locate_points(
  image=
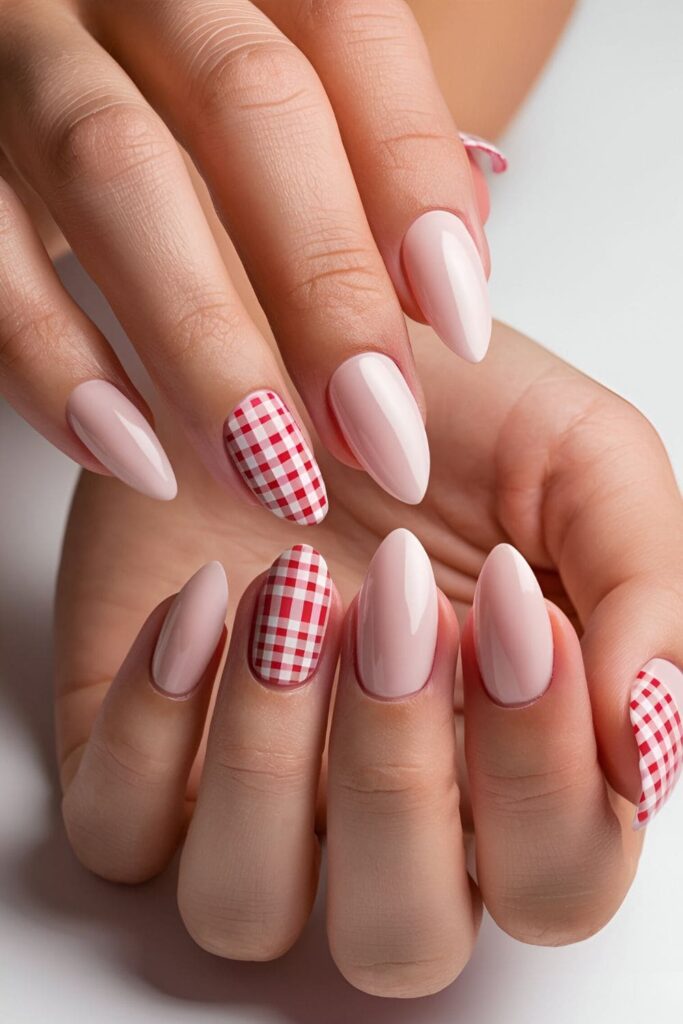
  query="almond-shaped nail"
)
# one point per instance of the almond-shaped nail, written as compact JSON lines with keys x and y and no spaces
{"x":397,"y":618}
{"x":273,"y":458}
{"x":290,"y":618}
{"x":191,"y":631}
{"x":512,"y":631}
{"x":447,"y":278}
{"x":658,"y":732}
{"x":119,"y":436}
{"x":382,"y":425}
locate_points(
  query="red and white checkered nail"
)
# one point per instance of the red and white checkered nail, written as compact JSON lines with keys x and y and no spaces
{"x":268,"y":449}
{"x":291,"y":617}
{"x":658,"y":731}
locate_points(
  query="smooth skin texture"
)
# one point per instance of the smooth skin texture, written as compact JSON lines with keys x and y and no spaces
{"x":316,"y":186}
{"x":537,"y":456}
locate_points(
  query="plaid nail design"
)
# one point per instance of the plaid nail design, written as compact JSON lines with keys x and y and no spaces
{"x":291,"y":616}
{"x":476,"y":144}
{"x":269,"y":450}
{"x":659,"y":734}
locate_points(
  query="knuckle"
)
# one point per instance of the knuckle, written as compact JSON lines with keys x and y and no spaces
{"x":408,"y":977}
{"x":512,"y":791}
{"x":340,"y":14}
{"x":263,"y":770}
{"x":106,"y":143}
{"x":263,"y":73}
{"x":396,"y":788}
{"x":250,"y":927}
{"x":24,"y":338}
{"x":204,"y":323}
{"x":333,"y":269}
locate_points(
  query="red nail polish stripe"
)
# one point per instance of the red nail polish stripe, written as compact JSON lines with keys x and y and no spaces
{"x":267,"y":447}
{"x":659,"y":734}
{"x":476,"y":144}
{"x":291,"y":617}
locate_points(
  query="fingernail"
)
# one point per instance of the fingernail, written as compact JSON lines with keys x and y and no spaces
{"x":382,"y":425}
{"x":512,"y":631}
{"x":119,"y":436}
{"x":191,"y":631}
{"x":448,"y":281}
{"x":271,"y":455}
{"x":291,"y":617}
{"x":475,"y":144}
{"x":397,"y":619}
{"x":658,"y":732}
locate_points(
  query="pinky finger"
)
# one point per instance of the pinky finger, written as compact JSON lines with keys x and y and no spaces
{"x":59,"y":372}
{"x":124,"y":801}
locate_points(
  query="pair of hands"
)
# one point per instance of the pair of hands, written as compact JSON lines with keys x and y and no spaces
{"x":525,"y":450}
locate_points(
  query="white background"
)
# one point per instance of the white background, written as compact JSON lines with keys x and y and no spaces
{"x":586,"y":239}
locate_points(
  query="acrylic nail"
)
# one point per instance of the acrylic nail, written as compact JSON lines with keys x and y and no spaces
{"x":381,"y":422}
{"x":512,"y":631}
{"x":658,"y":732}
{"x":397,"y":618}
{"x":447,"y":278}
{"x":268,"y":449}
{"x":119,"y":436}
{"x":191,"y":631}
{"x":290,"y":618}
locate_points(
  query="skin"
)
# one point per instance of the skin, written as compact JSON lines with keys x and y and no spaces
{"x":524,"y":449}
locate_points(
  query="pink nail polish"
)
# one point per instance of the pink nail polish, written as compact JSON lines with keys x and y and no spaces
{"x":191,"y":631}
{"x":382,"y":425}
{"x":291,"y":617}
{"x":475,"y":144}
{"x":658,"y":731}
{"x":270,"y":452}
{"x":448,"y":281}
{"x":119,"y":436}
{"x":512,"y":631}
{"x":397,"y":618}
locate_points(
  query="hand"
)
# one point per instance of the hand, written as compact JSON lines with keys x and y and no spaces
{"x":526,"y":450}
{"x":338,"y":237}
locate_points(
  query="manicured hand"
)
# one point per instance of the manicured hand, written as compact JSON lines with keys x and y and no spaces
{"x":571,"y":730}
{"x":333,"y":162}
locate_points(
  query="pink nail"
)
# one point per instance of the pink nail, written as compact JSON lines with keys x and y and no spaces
{"x":381,"y":422}
{"x":447,"y":278}
{"x":658,"y":731}
{"x":291,"y":617}
{"x":191,"y":631}
{"x":119,"y":436}
{"x":270,"y":452}
{"x":512,"y":630}
{"x":397,"y":619}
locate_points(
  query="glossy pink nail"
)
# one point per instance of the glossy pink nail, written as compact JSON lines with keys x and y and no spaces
{"x":658,"y":731}
{"x":447,"y":278}
{"x":512,"y":630}
{"x":119,"y":436}
{"x":191,"y":631}
{"x":397,"y":618}
{"x":382,"y":425}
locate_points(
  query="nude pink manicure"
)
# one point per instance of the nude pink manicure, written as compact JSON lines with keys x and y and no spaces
{"x":397,"y":618}
{"x":446,"y":275}
{"x":119,"y":436}
{"x":512,"y":630}
{"x":381,"y":422}
{"x":191,"y":631}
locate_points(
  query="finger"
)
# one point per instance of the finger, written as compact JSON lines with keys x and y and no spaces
{"x":249,"y":868}
{"x":615,"y":529}
{"x":115,"y":181}
{"x":241,"y":96}
{"x":124,"y":785}
{"x":401,"y":914}
{"x":58,"y":371}
{"x":409,"y":162}
{"x":555,"y":853}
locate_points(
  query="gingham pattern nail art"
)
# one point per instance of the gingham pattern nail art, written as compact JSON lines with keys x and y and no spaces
{"x":659,"y":734}
{"x":291,"y":617}
{"x":267,"y":447}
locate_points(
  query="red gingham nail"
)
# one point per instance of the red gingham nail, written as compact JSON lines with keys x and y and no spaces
{"x":475,"y":144}
{"x":291,"y":617}
{"x":659,"y":734}
{"x":266,"y":445}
